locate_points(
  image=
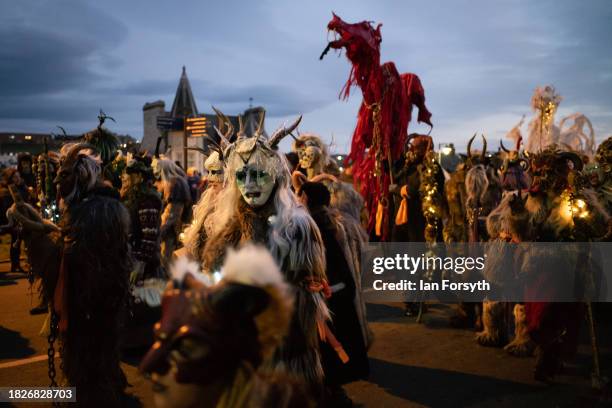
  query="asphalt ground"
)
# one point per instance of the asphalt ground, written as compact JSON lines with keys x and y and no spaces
{"x":426,"y":364}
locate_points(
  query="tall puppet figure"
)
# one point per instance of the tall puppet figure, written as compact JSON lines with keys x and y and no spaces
{"x":92,"y":288}
{"x":259,"y":206}
{"x":382,"y":124}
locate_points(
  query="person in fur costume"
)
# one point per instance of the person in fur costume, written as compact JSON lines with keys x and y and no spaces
{"x":42,"y":244}
{"x":509,"y":222}
{"x":345,"y":304}
{"x":91,"y":292}
{"x":601,"y":178}
{"x":147,"y":278}
{"x":456,"y":193}
{"x":176,"y":196}
{"x":316,"y":162}
{"x":214,"y":343}
{"x":319,"y":166}
{"x":259,"y":207}
{"x":563,"y":208}
{"x":196,"y":234}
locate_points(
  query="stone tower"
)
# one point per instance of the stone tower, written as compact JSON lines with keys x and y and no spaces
{"x":150,"y":113}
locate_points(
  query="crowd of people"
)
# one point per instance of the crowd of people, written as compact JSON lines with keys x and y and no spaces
{"x":246,"y":283}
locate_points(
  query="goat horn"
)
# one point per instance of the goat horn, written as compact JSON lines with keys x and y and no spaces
{"x":501,"y":145}
{"x":484,"y":147}
{"x":469,"y":146}
{"x":282,"y":132}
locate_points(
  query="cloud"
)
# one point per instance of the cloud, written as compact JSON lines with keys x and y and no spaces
{"x":62,"y":60}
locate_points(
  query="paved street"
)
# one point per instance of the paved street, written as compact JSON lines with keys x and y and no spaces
{"x":413,"y":365}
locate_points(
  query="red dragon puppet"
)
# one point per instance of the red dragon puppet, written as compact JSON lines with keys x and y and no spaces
{"x":382,"y":125}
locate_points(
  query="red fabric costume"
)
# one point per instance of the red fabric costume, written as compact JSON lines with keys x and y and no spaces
{"x":386,"y":109}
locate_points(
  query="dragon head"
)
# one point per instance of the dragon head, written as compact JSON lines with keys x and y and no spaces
{"x":360,"y":39}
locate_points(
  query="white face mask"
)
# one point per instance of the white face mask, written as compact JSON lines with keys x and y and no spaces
{"x":255,"y":184}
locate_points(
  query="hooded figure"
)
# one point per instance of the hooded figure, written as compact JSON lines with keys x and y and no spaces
{"x":345,"y":303}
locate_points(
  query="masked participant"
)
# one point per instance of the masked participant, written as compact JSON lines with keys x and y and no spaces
{"x":92,"y":289}
{"x":148,"y":278}
{"x":172,"y":184}
{"x":259,"y":206}
{"x":214,"y":344}
{"x":196,"y":234}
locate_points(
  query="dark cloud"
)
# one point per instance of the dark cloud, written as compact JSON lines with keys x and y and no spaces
{"x":61,"y":61}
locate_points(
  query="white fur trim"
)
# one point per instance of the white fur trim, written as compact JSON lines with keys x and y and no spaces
{"x":252,"y":265}
{"x":183,"y":266}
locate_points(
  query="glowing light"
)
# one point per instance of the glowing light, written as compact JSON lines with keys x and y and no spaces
{"x":447,"y":150}
{"x":28,"y":137}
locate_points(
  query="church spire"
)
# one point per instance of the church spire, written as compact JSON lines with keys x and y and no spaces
{"x":184,"y":103}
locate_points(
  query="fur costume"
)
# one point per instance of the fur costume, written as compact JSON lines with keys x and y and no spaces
{"x":214,"y":344}
{"x":42,"y":243}
{"x":317,"y":163}
{"x":559,"y":208}
{"x":148,"y":278}
{"x":286,"y":229}
{"x":91,"y":292}
{"x":202,"y":224}
{"x":345,"y":304}
{"x":384,"y":115}
{"x":483,"y":192}
{"x":603,"y":174}
{"x":456,"y":195}
{"x":176,"y":204}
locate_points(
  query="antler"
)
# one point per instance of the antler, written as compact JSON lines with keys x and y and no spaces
{"x":282,"y":132}
{"x":262,"y":117}
{"x":241,"y":131}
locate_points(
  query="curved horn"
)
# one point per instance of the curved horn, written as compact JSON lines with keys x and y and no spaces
{"x":484,"y":147}
{"x":63,"y":130}
{"x":469,"y":146}
{"x":501,"y":145}
{"x":282,"y":132}
{"x":322,"y":177}
{"x":297,"y":180}
{"x":518,"y":143}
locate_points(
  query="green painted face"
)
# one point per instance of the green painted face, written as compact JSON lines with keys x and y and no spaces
{"x":255,"y":184}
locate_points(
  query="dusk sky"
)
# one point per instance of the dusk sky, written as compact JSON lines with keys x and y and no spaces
{"x":479,"y":61}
